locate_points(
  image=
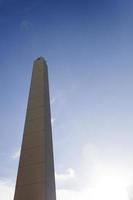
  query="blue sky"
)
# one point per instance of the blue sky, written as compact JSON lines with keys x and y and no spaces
{"x":88,"y":48}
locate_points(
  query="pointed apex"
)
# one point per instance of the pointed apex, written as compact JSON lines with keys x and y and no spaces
{"x":40,"y":58}
{"x":40,"y":61}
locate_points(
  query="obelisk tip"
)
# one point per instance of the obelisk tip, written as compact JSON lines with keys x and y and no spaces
{"x":40,"y":58}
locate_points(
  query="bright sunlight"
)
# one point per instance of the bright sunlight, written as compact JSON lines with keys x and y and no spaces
{"x":108,"y":188}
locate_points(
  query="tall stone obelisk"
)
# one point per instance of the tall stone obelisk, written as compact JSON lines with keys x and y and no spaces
{"x":35,"y":179}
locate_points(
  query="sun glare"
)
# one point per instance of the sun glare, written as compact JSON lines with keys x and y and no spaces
{"x":109,"y":188}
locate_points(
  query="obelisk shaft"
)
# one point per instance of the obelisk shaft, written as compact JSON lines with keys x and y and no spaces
{"x":35,"y":180}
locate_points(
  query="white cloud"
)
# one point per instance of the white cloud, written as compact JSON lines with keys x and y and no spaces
{"x":66,"y":180}
{"x":6,"y":190}
{"x":70,"y":174}
{"x":16,"y":155}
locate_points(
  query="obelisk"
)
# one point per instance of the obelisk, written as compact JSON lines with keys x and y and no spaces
{"x":35,"y":179}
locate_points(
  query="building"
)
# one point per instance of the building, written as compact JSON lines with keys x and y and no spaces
{"x":36,"y":179}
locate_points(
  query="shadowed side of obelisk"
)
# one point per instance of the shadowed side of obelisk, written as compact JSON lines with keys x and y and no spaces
{"x":35,"y":180}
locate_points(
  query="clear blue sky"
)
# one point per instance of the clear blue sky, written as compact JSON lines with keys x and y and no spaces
{"x":88,"y":46}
